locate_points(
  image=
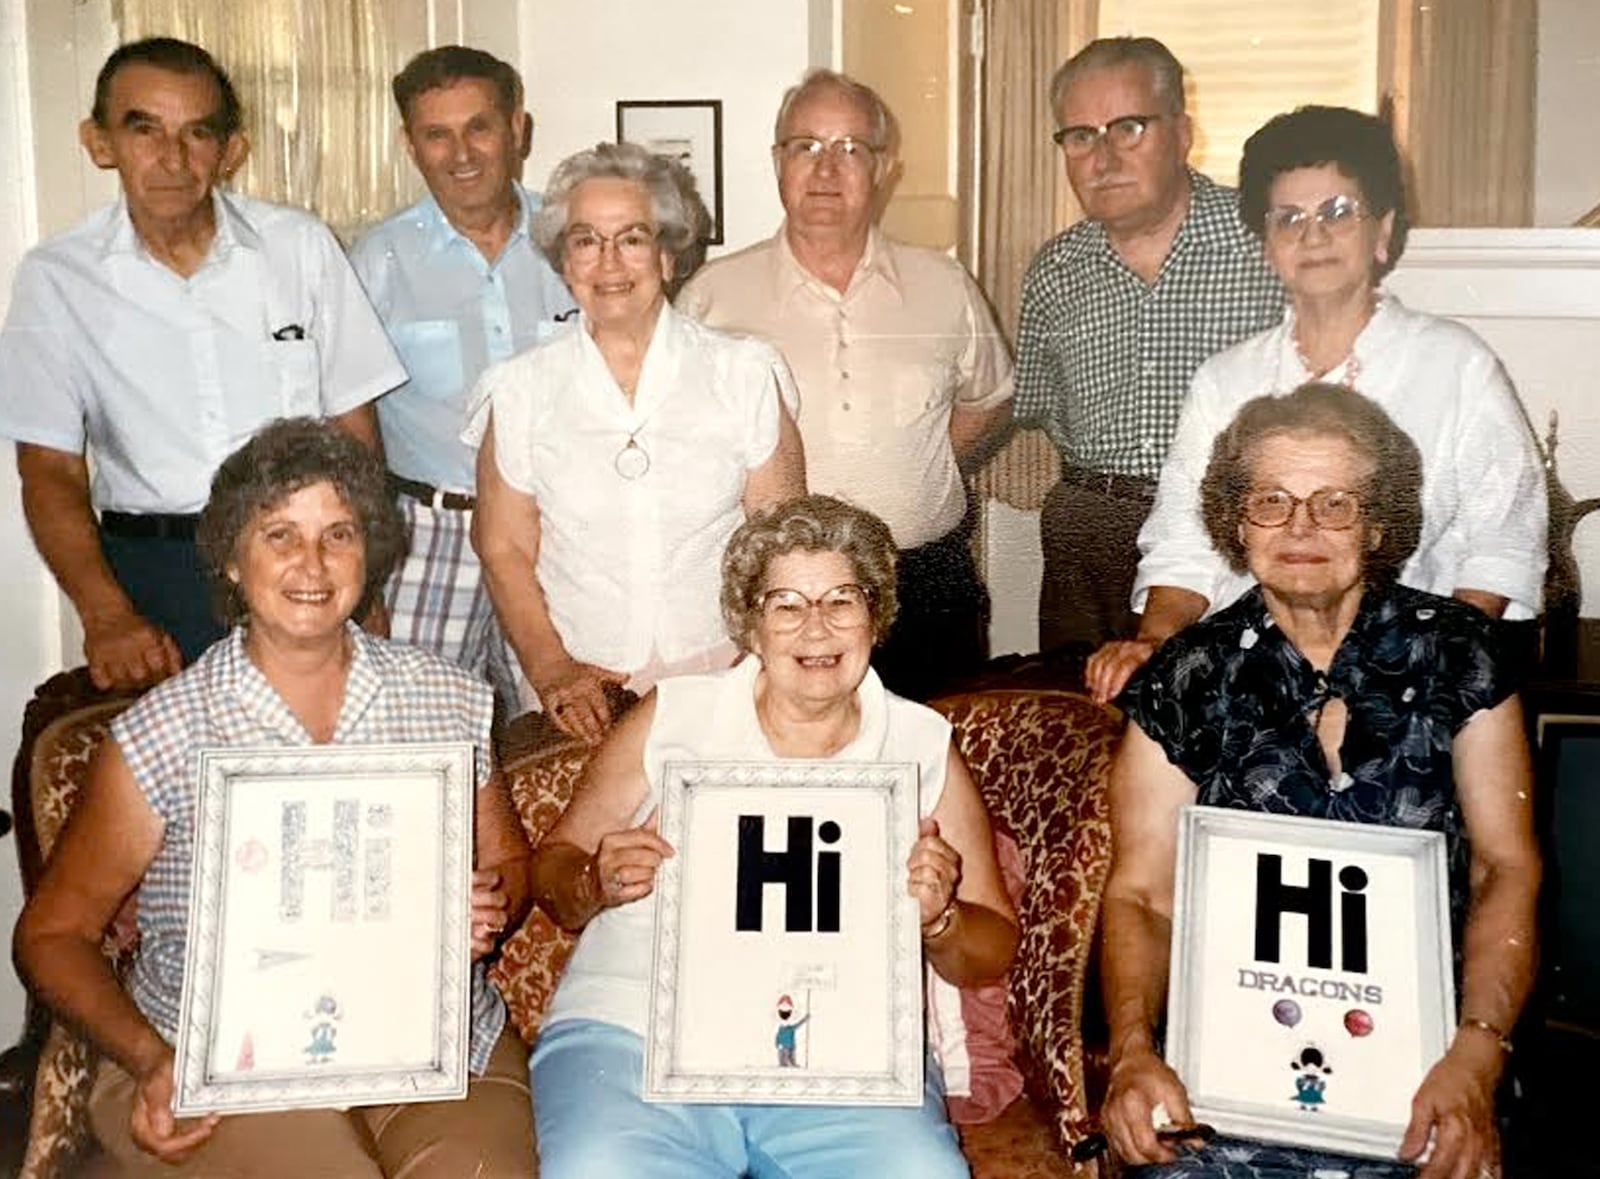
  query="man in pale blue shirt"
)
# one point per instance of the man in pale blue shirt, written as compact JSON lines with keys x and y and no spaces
{"x":159,"y":334}
{"x":459,"y":285}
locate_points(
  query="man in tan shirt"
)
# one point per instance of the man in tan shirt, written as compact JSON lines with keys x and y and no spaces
{"x":902,"y":371}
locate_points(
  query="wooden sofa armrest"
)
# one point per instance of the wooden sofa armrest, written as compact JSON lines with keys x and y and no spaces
{"x":1041,"y":760}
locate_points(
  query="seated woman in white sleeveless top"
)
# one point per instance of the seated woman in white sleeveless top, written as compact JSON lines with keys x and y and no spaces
{"x":807,"y":589}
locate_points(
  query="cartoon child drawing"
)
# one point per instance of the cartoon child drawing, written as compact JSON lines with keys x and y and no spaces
{"x":323,"y":1031}
{"x":1311,"y":1071}
{"x":787,"y":1033}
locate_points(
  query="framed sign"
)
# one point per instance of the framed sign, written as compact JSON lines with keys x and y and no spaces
{"x":1311,"y":984}
{"x":788,"y":954}
{"x":688,"y":131}
{"x":329,"y":954}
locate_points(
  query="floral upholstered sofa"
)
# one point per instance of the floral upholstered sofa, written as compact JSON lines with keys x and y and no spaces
{"x":1041,"y":758}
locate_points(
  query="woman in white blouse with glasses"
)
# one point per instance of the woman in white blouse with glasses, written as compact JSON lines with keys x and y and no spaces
{"x":620,"y":455}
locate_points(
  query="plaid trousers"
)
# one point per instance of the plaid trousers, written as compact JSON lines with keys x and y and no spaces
{"x":437,"y":599}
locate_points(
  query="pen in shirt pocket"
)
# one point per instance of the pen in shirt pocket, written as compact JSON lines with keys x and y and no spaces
{"x":292,"y":331}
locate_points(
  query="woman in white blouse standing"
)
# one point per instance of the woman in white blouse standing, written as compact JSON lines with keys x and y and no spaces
{"x":619,"y":456}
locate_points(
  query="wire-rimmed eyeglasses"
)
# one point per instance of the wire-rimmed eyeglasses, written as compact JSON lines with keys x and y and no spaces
{"x":839,"y":148}
{"x":1338,"y":215}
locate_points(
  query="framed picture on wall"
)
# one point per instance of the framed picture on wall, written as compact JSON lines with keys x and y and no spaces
{"x":1311,"y":982}
{"x":788,"y":954}
{"x":688,"y":131}
{"x":329,"y":953}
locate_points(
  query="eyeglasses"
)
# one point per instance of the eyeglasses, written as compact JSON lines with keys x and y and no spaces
{"x":1330,"y":509}
{"x":840,"y":149}
{"x":1123,"y":134}
{"x":844,"y":607}
{"x":1338,"y":215}
{"x":636,"y":243}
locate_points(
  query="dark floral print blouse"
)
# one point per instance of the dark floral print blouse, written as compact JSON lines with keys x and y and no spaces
{"x":1234,"y":703}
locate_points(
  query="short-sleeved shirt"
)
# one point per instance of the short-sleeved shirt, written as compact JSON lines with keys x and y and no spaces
{"x":880,"y":367}
{"x":1104,"y":359}
{"x":450,"y":313}
{"x":1232,"y":702}
{"x":165,"y":376}
{"x":631,"y":567}
{"x":393,"y":693}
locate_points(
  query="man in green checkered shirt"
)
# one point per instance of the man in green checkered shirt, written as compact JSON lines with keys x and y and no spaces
{"x":1117,"y":313}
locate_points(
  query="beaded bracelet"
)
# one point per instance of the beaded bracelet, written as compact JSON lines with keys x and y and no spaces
{"x":936,"y":928}
{"x":1483,"y":1025}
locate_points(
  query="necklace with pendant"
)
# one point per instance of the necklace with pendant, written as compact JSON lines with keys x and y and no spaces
{"x":632,"y":461}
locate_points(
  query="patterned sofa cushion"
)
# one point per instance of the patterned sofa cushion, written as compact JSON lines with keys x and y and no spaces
{"x":1041,"y":760}
{"x":58,"y":1126}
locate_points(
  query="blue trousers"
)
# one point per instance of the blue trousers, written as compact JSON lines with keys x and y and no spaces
{"x":592,"y":1124}
{"x":169,"y":585}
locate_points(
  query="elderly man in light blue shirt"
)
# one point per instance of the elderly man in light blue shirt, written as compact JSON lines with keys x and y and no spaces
{"x":459,"y":285}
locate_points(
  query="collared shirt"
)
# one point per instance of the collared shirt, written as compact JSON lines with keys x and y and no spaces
{"x":880,"y":368}
{"x":631,"y":568}
{"x":393,"y":693}
{"x":1483,"y":488}
{"x":451,"y":313}
{"x":163,"y":376}
{"x":1104,"y":360}
{"x":1232,"y":701}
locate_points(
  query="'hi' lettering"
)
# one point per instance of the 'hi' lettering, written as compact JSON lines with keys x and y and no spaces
{"x":793,"y":869}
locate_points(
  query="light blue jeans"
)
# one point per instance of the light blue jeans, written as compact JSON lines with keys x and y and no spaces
{"x":592,"y":1124}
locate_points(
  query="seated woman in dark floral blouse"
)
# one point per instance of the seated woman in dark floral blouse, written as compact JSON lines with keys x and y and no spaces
{"x":1328,"y":691}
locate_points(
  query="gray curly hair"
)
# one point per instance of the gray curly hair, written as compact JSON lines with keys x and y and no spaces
{"x":812,"y":524}
{"x":682,"y":223}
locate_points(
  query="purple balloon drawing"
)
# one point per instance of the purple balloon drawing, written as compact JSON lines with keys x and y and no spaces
{"x":1286,"y":1012}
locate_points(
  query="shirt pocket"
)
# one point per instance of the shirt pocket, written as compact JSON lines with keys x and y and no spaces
{"x":917,"y":390}
{"x":430,"y":349}
{"x":299,"y":377}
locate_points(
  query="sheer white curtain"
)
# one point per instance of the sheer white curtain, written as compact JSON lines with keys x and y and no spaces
{"x":313,"y":76}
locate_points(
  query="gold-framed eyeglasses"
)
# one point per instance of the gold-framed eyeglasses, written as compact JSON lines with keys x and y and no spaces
{"x":842,"y":149}
{"x":1331,"y":508}
{"x":1123,"y":134}
{"x":844,"y":607}
{"x":635,"y":243}
{"x":1338,"y":215}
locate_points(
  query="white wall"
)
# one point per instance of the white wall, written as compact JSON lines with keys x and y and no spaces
{"x":579,"y":57}
{"x":1566,"y":162}
{"x":45,"y":47}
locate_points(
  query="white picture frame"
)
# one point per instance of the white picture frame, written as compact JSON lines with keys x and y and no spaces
{"x":329,"y":950}
{"x":854,"y":984}
{"x":1371,"y":998}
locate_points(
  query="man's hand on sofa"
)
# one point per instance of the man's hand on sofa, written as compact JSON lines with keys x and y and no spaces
{"x":152,"y":1125}
{"x":1144,"y":1094}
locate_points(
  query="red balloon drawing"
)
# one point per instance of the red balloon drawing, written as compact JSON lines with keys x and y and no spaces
{"x":1357,"y":1022}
